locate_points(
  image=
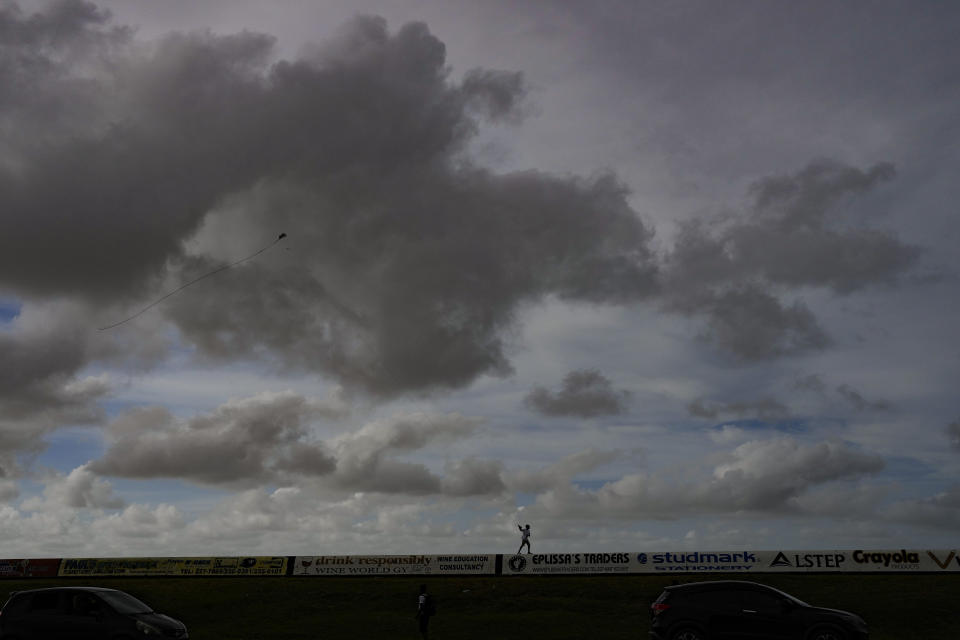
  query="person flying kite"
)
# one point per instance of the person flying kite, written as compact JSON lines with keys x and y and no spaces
{"x":526,"y":537}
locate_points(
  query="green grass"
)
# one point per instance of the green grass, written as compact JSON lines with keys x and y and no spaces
{"x":897,"y":607}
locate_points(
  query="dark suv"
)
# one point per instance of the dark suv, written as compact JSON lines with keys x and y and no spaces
{"x":731,"y":609}
{"x":83,"y":613}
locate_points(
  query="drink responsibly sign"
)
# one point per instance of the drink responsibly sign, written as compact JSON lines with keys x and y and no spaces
{"x":557,"y":564}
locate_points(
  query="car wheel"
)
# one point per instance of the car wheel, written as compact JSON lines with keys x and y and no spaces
{"x":826,"y":633}
{"x":687,"y":633}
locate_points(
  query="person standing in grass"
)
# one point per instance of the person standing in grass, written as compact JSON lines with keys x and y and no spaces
{"x":426,"y":609}
{"x":526,"y":538}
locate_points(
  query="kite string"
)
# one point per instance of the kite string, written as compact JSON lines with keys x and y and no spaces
{"x":195,"y":280}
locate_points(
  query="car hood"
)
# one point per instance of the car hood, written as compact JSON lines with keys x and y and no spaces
{"x":837,"y":612}
{"x":160,"y":621}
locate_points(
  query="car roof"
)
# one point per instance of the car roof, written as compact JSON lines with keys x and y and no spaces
{"x":71,"y":588}
{"x":718,"y":584}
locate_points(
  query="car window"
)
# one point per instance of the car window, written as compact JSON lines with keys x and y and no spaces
{"x":124,"y":602}
{"x":45,"y":601}
{"x":16,"y":604}
{"x":723,"y":601}
{"x":789,"y":598}
{"x":761,"y":602}
{"x":83,"y":604}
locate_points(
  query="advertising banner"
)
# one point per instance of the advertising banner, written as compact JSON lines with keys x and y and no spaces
{"x":867,"y":560}
{"x":745,"y":561}
{"x":568,"y":563}
{"x":451,"y":565}
{"x":556,"y":564}
{"x":29,"y":568}
{"x":699,"y":561}
{"x":199,"y":566}
{"x":945,"y":559}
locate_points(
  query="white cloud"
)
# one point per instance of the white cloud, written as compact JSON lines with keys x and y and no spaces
{"x":729,"y":434}
{"x":140,"y":521}
{"x":244,"y":440}
{"x":760,"y":476}
{"x":473,"y":477}
{"x":941,"y":510}
{"x":80,"y":489}
{"x":366,"y":459}
{"x":561,"y":472}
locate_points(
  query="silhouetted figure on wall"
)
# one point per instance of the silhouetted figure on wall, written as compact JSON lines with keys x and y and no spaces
{"x":526,"y":538}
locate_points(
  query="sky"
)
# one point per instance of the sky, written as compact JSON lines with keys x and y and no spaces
{"x":645,"y":275}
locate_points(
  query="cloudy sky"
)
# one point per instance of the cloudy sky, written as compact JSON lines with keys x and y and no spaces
{"x":646,"y":275}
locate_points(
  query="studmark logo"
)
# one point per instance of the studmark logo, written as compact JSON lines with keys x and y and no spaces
{"x":699,"y":561}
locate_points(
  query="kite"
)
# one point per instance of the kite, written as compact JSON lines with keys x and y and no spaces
{"x":194,"y":281}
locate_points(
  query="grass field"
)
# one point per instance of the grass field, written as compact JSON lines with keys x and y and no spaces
{"x":897,"y":607}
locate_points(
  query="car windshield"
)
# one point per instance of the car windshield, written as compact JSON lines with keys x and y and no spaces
{"x":124,"y":602}
{"x":790,"y":597}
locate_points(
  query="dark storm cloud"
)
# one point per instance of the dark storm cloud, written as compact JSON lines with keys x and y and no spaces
{"x":409,"y":263}
{"x":754,"y":325}
{"x":494,"y":93}
{"x":811,"y":382}
{"x":119,"y":187}
{"x":795,"y":236}
{"x":43,"y":385}
{"x":792,"y":234}
{"x":9,"y":470}
{"x":585,"y":393}
{"x":36,"y":368}
{"x":39,"y":52}
{"x":40,"y":390}
{"x":953,"y":434}
{"x":856,"y":399}
{"x":768,"y":408}
{"x":412,"y":280}
{"x":850,"y":395}
{"x":8,"y":490}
